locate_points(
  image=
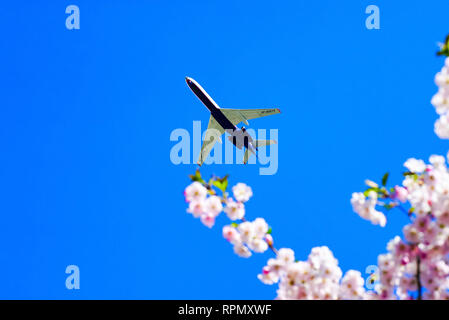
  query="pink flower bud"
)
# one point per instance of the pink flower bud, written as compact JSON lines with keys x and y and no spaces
{"x":208,"y":220}
{"x":269,"y":239}
{"x":228,"y":232}
{"x":266,"y":270}
{"x":400,"y":193}
{"x":405,"y":260}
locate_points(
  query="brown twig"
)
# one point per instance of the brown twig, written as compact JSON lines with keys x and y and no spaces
{"x":418,"y":277}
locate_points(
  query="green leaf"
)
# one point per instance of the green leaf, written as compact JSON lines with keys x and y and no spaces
{"x":197,"y":177}
{"x":384,"y":191}
{"x":269,"y":230}
{"x":234,"y":224}
{"x":411,"y":174}
{"x":367,"y":191}
{"x":385,"y":179}
{"x":221,"y":183}
{"x":444,"y":51}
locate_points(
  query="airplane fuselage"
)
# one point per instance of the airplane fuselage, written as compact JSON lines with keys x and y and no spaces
{"x":210,"y":104}
{"x":236,"y":133}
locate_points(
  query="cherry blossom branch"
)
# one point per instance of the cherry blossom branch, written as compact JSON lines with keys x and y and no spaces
{"x":297,"y":279}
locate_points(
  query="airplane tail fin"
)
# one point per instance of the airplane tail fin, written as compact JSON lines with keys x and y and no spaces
{"x":257,"y":144}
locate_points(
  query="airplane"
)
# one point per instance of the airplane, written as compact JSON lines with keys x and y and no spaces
{"x":225,"y":120}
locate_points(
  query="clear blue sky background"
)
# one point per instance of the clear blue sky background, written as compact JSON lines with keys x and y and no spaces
{"x":86,"y":115}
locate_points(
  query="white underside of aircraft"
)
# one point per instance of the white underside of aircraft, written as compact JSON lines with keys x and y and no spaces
{"x":225,"y":120}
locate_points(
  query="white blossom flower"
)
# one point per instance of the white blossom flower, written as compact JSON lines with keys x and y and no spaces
{"x":242,"y":192}
{"x":400,"y":193}
{"x":267,"y":276}
{"x":213,"y":205}
{"x":242,"y":251}
{"x":365,"y":207}
{"x":412,"y":234}
{"x":442,"y":126}
{"x":442,"y":78}
{"x":247,"y":231}
{"x":260,"y":227}
{"x":441,"y":101}
{"x":276,"y":266}
{"x":234,"y":210}
{"x":195,"y":191}
{"x":208,"y":219}
{"x":258,"y":245}
{"x":286,"y":256}
{"x":439,"y":162}
{"x":196,"y":208}
{"x":231,"y":234}
{"x":415,"y":165}
{"x":352,"y":286}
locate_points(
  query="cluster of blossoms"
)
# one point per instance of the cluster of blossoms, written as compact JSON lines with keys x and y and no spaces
{"x":420,"y":260}
{"x":202,"y":206}
{"x":319,"y":277}
{"x":365,"y":206}
{"x":441,"y":102}
{"x":245,"y":236}
{"x":248,"y":236}
{"x":417,"y":265}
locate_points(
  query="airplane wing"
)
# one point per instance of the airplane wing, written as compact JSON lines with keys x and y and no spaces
{"x":243,"y":115}
{"x":213,"y":133}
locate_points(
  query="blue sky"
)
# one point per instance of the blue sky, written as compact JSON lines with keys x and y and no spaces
{"x":86,"y":117}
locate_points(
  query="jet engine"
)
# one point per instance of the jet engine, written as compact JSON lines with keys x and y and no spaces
{"x":239,"y":137}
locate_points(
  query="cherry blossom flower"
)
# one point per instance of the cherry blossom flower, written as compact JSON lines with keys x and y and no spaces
{"x":208,"y":219}
{"x":235,"y":210}
{"x":352,"y":286}
{"x":196,"y":208}
{"x":442,"y":126}
{"x":415,"y":165}
{"x":400,"y":193}
{"x":242,"y":251}
{"x":213,"y":205}
{"x":242,"y":192}
{"x":246,"y":230}
{"x":231,"y":234}
{"x":365,"y":207}
{"x":441,"y":101}
{"x":195,"y":191}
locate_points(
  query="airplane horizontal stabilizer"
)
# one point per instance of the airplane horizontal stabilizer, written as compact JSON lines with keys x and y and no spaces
{"x":263,"y":143}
